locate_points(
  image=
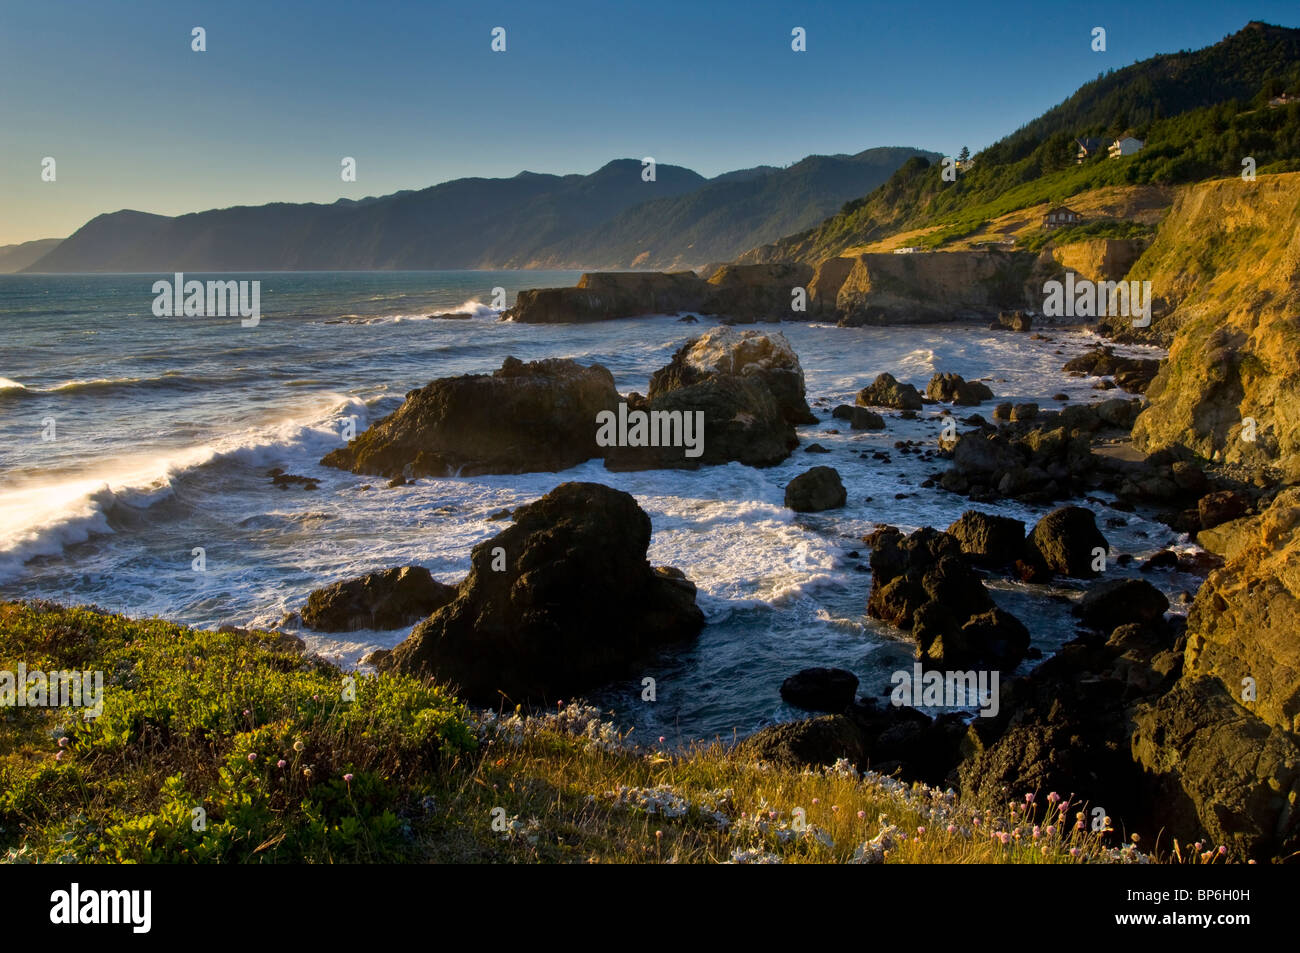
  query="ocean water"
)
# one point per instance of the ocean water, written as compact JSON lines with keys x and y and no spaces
{"x":164,"y":430}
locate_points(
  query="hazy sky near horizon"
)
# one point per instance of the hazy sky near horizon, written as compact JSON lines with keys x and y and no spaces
{"x":413,"y":91}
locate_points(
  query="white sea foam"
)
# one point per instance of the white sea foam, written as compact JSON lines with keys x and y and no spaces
{"x":781,"y":591}
{"x":40,"y":516}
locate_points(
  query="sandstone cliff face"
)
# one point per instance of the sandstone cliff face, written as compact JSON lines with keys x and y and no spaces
{"x":757,"y":291}
{"x":827,"y":279}
{"x":934,"y":286}
{"x":1245,"y":622}
{"x":1226,"y":267}
{"x":1099,"y":259}
{"x":1221,"y":747}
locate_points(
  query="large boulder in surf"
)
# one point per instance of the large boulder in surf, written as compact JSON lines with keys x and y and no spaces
{"x":560,"y":602}
{"x":820,"y":689}
{"x":955,"y":389}
{"x":1066,"y":541}
{"x":988,"y":540}
{"x":539,"y":416}
{"x":815,"y":490}
{"x":1109,"y":605}
{"x":605,"y":295}
{"x":886,"y":391}
{"x":379,"y":600}
{"x":747,"y":385}
{"x":923,"y":583}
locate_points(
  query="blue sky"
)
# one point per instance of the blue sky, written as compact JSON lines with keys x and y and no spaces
{"x":136,"y":119}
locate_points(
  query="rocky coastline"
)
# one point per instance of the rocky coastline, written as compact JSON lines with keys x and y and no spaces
{"x":1143,"y":713}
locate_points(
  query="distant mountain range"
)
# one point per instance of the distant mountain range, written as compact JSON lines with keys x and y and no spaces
{"x":17,"y":257}
{"x":611,"y":218}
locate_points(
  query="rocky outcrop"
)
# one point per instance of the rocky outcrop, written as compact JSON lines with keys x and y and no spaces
{"x":1109,"y":605}
{"x":922,"y":583}
{"x":743,"y":293}
{"x":873,"y":737}
{"x":986,"y":540}
{"x":1017,"y":320}
{"x":934,"y":286}
{"x":562,"y":601}
{"x":1040,"y":456}
{"x":954,"y":389}
{"x":820,"y":689}
{"x":756,"y":292}
{"x":1215,"y":767}
{"x":1067,"y":542}
{"x":1244,"y":621}
{"x":1222,"y":749}
{"x":539,"y":416}
{"x":886,"y":391}
{"x":603,"y":296}
{"x":748,"y":385}
{"x":815,"y":490}
{"x":1133,"y":374}
{"x":1065,"y":728}
{"x":391,"y":599}
{"x":1171,"y":733}
{"x":1227,"y":265}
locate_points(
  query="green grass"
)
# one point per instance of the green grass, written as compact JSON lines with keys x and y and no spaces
{"x":1086,"y":231}
{"x":1199,"y":145}
{"x":292,"y":762}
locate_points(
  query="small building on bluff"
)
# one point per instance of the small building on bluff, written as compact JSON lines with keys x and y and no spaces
{"x":1060,"y":217}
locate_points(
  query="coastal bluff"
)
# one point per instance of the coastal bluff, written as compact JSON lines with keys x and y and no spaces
{"x":871,"y":288}
{"x":746,"y":292}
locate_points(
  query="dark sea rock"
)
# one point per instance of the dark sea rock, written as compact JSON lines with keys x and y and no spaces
{"x":954,"y":389}
{"x":988,"y":540}
{"x":815,"y":490}
{"x":820,"y":689}
{"x":539,"y":416}
{"x":390,"y":599}
{"x":561,"y":602}
{"x":886,"y":391}
{"x":1015,"y":320}
{"x":750,"y":387}
{"x":1108,"y":605}
{"x":923,"y":583}
{"x":1065,"y":542}
{"x":1132,"y":374}
{"x":863,"y":419}
{"x":1219,"y":507}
